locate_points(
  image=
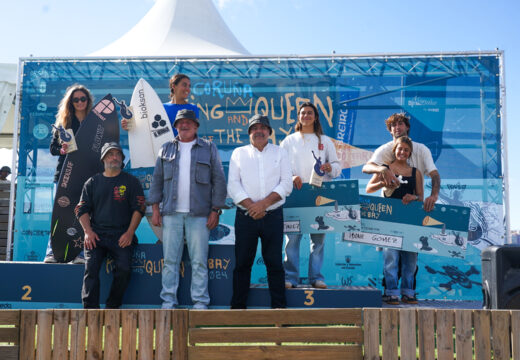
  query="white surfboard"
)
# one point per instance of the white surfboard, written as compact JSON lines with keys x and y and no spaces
{"x":149,"y":130}
{"x":151,"y":127}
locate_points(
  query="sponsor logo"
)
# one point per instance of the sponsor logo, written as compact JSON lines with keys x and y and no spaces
{"x":347,"y":265}
{"x":72,"y":231}
{"x":104,"y":107}
{"x":142,"y":104}
{"x":40,"y":131}
{"x":78,"y":243}
{"x":41,"y":107}
{"x":159,"y":126}
{"x":66,"y":174}
{"x":96,"y":145}
{"x":63,"y":201}
{"x":32,"y":256}
{"x":42,"y":88}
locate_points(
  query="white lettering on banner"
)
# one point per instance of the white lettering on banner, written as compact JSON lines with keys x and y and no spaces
{"x":374,"y":239}
{"x":291,"y":226}
{"x":342,"y":125}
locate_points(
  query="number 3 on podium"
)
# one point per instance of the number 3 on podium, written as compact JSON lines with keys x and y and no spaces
{"x":309,"y":298}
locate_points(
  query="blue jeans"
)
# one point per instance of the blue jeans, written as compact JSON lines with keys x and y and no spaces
{"x":391,"y":267}
{"x":175,"y":227}
{"x":292,"y":258}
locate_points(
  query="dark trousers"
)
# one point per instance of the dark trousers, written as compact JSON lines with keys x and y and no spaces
{"x":121,"y":261}
{"x":247,"y":231}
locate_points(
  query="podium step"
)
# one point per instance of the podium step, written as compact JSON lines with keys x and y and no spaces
{"x":35,"y":285}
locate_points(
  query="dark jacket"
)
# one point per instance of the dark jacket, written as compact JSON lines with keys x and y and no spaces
{"x":56,"y":146}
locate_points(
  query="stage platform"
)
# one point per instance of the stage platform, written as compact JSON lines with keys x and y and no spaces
{"x":439,"y":304}
{"x":35,"y":285}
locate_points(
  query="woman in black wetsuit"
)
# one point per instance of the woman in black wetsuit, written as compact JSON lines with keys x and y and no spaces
{"x":410,"y":189}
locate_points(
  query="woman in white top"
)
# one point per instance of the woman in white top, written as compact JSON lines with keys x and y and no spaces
{"x":308,"y":139}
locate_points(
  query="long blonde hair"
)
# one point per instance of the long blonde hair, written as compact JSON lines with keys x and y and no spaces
{"x":66,"y":107}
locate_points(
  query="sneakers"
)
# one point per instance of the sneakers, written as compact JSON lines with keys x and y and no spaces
{"x":78,"y":260}
{"x":391,"y":299}
{"x":288,"y":285}
{"x":49,"y":259}
{"x":319,"y":284}
{"x":409,"y":300}
{"x":200,"y":306}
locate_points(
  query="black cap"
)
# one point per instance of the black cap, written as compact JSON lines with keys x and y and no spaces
{"x":6,"y":168}
{"x":259,"y":119}
{"x":109,"y":146}
{"x":186,"y":114}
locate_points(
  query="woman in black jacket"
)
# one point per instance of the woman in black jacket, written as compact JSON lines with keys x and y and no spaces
{"x":72,"y":110}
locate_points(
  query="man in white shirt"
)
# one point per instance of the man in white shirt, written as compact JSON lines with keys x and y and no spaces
{"x":421,"y":158}
{"x":259,"y":180}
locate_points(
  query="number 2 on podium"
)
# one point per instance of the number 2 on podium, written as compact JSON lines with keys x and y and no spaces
{"x":28,"y":290}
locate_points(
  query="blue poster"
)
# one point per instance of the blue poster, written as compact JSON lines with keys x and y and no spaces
{"x":388,"y":223}
{"x":331,"y":208}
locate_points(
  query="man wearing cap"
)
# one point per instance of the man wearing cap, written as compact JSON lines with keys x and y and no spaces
{"x":4,"y":173}
{"x":259,"y":180}
{"x":189,"y":183}
{"x":110,"y":209}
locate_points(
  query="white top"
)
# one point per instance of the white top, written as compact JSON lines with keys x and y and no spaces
{"x":183,"y":200}
{"x":421,"y":157}
{"x":255,"y":174}
{"x":300,"y":147}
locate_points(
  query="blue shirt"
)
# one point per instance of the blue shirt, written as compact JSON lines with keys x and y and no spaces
{"x":172,"y":109}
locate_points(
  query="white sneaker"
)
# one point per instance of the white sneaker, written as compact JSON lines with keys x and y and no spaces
{"x":49,"y":259}
{"x":319,"y":284}
{"x":78,"y":260}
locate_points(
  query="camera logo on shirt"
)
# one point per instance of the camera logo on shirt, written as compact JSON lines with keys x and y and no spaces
{"x":119,"y":193}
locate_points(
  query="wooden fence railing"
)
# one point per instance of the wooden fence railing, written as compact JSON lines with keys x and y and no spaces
{"x":260,"y":334}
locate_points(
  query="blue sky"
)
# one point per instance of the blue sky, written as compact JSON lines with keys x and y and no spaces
{"x":266,"y":27}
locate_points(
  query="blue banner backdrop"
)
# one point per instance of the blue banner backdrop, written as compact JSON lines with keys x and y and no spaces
{"x":454,"y":103}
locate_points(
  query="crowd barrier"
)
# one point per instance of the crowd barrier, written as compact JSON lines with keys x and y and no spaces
{"x":369,"y":333}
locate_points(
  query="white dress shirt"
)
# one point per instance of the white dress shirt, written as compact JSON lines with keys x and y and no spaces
{"x":255,"y":174}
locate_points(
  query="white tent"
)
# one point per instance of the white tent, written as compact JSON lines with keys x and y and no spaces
{"x":174,"y":28}
{"x":7,"y":92}
{"x":170,"y":28}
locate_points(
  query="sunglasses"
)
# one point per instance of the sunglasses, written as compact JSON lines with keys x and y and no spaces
{"x":77,"y":100}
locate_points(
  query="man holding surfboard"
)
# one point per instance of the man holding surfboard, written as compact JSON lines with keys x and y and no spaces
{"x":109,"y":211}
{"x":189,"y":182}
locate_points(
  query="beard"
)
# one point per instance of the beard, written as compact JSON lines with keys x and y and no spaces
{"x":113,"y":165}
